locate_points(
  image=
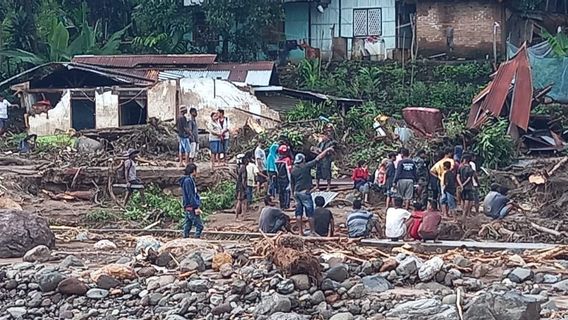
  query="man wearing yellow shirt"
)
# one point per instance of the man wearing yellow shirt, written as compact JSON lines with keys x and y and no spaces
{"x":437,"y":171}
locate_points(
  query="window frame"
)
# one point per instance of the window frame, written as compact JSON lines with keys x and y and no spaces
{"x":367,"y":10}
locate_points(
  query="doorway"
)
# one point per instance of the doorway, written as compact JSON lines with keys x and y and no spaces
{"x":83,"y":114}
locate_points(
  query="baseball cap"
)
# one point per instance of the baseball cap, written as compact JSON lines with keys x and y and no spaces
{"x":299,"y":158}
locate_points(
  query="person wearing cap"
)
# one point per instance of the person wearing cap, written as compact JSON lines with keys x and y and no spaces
{"x":131,"y":177}
{"x":301,"y":184}
{"x":184,"y":133}
{"x":283,"y":167}
{"x":194,"y":135}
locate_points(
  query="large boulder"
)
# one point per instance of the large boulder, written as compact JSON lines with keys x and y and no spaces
{"x":508,"y":306}
{"x":21,"y":231}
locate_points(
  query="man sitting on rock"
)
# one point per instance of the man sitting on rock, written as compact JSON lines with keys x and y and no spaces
{"x":360,"y":223}
{"x":272,"y":219}
{"x":396,"y":221}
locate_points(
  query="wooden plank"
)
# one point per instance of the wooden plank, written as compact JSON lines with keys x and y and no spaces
{"x":447,"y":245}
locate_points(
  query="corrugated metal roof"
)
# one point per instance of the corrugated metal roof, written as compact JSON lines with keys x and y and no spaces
{"x":254,"y":73}
{"x":133,"y":61}
{"x":193,"y":74}
{"x":522,"y":92}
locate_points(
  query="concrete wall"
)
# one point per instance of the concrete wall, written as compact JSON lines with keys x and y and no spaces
{"x":472,"y":22}
{"x":208,"y":95}
{"x":296,"y":20}
{"x":162,"y":100}
{"x":58,"y":118}
{"x":107,"y":111}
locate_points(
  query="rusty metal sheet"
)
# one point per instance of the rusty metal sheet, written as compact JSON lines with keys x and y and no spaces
{"x":500,"y":88}
{"x":473,"y":115}
{"x":134,"y":61}
{"x":425,"y":121}
{"x":522,"y":92}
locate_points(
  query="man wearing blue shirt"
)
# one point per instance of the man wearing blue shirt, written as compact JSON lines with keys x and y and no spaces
{"x":191,"y":201}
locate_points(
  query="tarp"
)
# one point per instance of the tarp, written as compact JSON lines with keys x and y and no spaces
{"x":547,"y":69}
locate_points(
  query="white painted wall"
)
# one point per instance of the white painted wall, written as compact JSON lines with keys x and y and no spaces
{"x":58,"y":118}
{"x":322,"y":22}
{"x":162,"y":100}
{"x":106,"y":110}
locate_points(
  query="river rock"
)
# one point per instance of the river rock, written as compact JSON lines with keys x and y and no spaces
{"x":301,"y":281}
{"x":198,"y":285}
{"x":107,"y":282}
{"x":357,"y":291}
{"x":429,"y":269}
{"x":434,"y":287}
{"x":389,"y":265}
{"x":21,"y":231}
{"x":422,"y":308}
{"x":272,"y":304}
{"x":520,"y":275}
{"x":407,"y":267}
{"x":146,"y":242}
{"x":508,"y":306}
{"x":286,"y":316}
{"x":96,"y":293}
{"x":193,"y":263}
{"x":17,"y":312}
{"x":561,"y":286}
{"x":222,"y":309}
{"x":342,"y":316}
{"x":285,"y":286}
{"x":105,"y":245}
{"x":72,"y":286}
{"x":376,"y":284}
{"x":71,"y":261}
{"x":48,"y":281}
{"x":87,"y":145}
{"x":39,"y":253}
{"x":338,"y":273}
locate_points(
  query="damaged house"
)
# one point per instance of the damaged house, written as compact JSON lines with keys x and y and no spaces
{"x":129,"y":90}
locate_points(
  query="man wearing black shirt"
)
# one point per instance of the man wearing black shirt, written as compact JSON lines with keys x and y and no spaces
{"x":184,"y":132}
{"x":323,"y":219}
{"x":448,"y":199}
{"x":405,"y":177}
{"x":465,"y":179}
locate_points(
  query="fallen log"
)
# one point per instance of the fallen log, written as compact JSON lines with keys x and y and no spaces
{"x":546,"y":230}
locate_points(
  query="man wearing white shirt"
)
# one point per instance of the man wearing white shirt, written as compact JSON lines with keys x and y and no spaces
{"x":4,"y":104}
{"x":396,"y":220}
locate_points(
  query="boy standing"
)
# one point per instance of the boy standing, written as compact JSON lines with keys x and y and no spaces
{"x":448,"y":182}
{"x":323,"y":219}
{"x":389,"y":178}
{"x":194,"y":135}
{"x":405,"y":177}
{"x":191,"y":202}
{"x":184,"y":133}
{"x":132,"y":180}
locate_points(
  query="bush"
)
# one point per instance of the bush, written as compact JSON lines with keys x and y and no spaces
{"x":219,"y":197}
{"x":493,"y":145}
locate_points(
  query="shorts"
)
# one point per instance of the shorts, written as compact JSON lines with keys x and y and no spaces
{"x":323,"y":169}
{"x":405,"y":188}
{"x":184,"y":146}
{"x":476,"y":195}
{"x":216,"y":146}
{"x":467,"y":195}
{"x":3,"y":123}
{"x":304,"y":203}
{"x":448,"y":199}
{"x":135,"y":181}
{"x":503,"y":212}
{"x":194,"y":149}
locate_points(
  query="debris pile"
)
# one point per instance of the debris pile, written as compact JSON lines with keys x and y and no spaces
{"x":189,"y":279}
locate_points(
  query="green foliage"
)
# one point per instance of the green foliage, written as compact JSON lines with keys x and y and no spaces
{"x":455,"y":125}
{"x":295,"y":137}
{"x":49,"y":143}
{"x":558,"y":43}
{"x":156,"y":200}
{"x":10,"y":142}
{"x":100,"y":215}
{"x":494,"y":145}
{"x":220,"y":197}
{"x":305,"y":110}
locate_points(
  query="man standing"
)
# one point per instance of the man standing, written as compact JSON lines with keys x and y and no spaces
{"x":194,"y":135}
{"x":283,"y":168}
{"x":437,"y":173}
{"x":390,"y":172}
{"x":132,"y":180}
{"x":323,"y":169}
{"x":184,"y":134}
{"x":4,"y":104}
{"x":241,"y":185}
{"x":272,"y":219}
{"x":360,"y":222}
{"x":301,"y":182}
{"x":225,"y":134}
{"x":191,"y":202}
{"x":421,"y":161}
{"x":260,"y":157}
{"x":465,"y":180}
{"x":405,"y":177}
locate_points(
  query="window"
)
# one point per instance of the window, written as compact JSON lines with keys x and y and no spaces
{"x":367,"y":22}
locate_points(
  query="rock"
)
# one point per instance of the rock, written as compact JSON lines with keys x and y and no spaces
{"x":72,"y":286}
{"x":507,"y":306}
{"x":175,"y":317}
{"x":389,"y":265}
{"x":154,"y":298}
{"x":338,"y":273}
{"x":317,"y":297}
{"x":272,"y":304}
{"x":451,"y":276}
{"x":146,"y":242}
{"x":87,"y":145}
{"x":561,"y":286}
{"x":286,"y":316}
{"x":226,"y":270}
{"x":71,"y":261}
{"x":146,"y":272}
{"x":222,"y":309}
{"x":376,"y":284}
{"x":450,"y":299}
{"x":159,"y":282}
{"x":82,"y":236}
{"x":329,"y":284}
{"x":520,"y":275}
{"x":21,"y":231}
{"x":434,"y":287}
{"x":220,"y":259}
{"x":367,"y":268}
{"x":192,"y":263}
{"x":423,"y":309}
{"x":285,"y":286}
{"x":107,"y":282}
{"x":407,"y":267}
{"x":164,"y":259}
{"x":516,"y":260}
{"x":105,"y":245}
{"x":198,"y":285}
{"x":35,"y":298}
{"x":301,"y":281}
{"x":461,"y":261}
{"x":342,"y":316}
{"x":17,"y":312}
{"x":480,"y":270}
{"x":357,"y":291}
{"x":39,"y":253}
{"x":48,"y":281}
{"x":96,"y":293}
{"x":429,"y":269}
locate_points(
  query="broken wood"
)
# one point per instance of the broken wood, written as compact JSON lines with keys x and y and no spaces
{"x":557,"y":166}
{"x":547,"y":230}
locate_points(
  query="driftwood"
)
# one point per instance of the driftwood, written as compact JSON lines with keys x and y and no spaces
{"x":10,"y":161}
{"x":547,"y":230}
